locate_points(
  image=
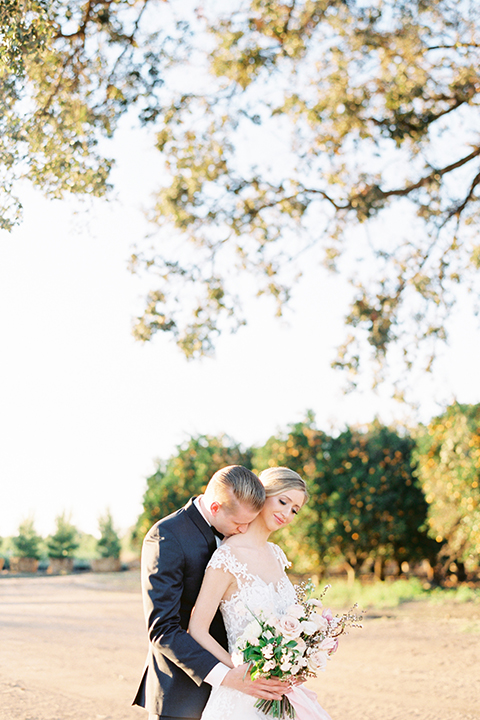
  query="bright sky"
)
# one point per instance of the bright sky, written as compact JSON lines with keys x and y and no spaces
{"x":85,"y":410}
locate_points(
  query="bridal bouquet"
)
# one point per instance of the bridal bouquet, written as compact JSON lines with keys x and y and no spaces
{"x":295,"y":646}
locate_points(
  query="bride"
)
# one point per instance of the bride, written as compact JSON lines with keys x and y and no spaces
{"x":247,"y":573}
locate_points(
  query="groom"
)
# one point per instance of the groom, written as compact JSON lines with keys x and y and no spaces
{"x":179,"y":673}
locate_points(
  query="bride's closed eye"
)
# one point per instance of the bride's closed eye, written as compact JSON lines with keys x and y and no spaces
{"x":283,"y":502}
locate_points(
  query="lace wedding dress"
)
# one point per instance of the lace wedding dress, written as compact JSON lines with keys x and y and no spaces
{"x":252,"y":595}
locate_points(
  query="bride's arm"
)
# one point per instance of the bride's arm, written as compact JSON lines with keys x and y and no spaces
{"x":215,"y":584}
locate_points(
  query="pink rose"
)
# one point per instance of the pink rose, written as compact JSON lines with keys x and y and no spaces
{"x":317,"y":661}
{"x":296,"y":610}
{"x":290,"y":627}
{"x":320,"y":621}
{"x":330,"y":645}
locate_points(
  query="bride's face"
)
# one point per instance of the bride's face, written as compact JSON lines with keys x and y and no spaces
{"x":279,"y":510}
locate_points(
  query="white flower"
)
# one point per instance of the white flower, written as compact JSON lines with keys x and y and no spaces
{"x":286,"y":665}
{"x":308,"y":627}
{"x":252,"y":632}
{"x":319,"y":620}
{"x":317,"y":661}
{"x":269,"y":665}
{"x":237,"y":659}
{"x":315,"y":602}
{"x":267,"y":651}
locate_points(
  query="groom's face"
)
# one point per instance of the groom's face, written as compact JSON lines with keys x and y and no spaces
{"x":234,"y":519}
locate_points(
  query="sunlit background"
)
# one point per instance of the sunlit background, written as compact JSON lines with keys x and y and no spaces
{"x":86,"y":410}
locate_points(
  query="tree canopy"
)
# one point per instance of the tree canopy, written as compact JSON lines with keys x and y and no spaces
{"x":366,"y":507}
{"x":365,"y":504}
{"x":448,"y":468}
{"x":65,"y":540}
{"x":68,"y":70}
{"x":27,"y":543}
{"x":109,"y":544}
{"x":304,"y":121}
{"x":342,"y":132}
{"x":184,"y":474}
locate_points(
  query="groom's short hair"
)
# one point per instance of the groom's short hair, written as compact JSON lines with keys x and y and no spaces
{"x":237,"y":484}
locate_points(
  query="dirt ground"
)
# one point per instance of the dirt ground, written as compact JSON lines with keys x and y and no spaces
{"x":73,"y":648}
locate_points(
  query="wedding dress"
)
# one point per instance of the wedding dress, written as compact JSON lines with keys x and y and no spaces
{"x":252,"y":595}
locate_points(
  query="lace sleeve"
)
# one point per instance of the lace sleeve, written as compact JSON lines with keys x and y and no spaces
{"x":282,"y":558}
{"x":225,"y":559}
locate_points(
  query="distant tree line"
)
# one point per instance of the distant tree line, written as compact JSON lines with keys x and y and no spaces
{"x":64,"y":542}
{"x":378,"y":493}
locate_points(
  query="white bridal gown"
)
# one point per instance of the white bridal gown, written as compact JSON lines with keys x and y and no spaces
{"x":253,"y":594}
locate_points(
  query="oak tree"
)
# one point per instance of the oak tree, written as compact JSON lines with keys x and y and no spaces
{"x":309,"y":131}
{"x":69,"y":69}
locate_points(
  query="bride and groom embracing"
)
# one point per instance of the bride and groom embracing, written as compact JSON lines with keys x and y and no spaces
{"x":197,"y":591}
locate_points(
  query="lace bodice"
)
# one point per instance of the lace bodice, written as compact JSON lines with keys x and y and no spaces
{"x":253,"y":594}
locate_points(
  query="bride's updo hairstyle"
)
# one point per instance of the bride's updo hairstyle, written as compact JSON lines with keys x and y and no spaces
{"x":277,"y":480}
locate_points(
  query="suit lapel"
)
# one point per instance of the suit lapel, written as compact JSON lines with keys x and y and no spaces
{"x":201,"y":524}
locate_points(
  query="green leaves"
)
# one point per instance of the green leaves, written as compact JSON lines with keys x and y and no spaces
{"x":448,"y":468}
{"x":314,"y":119}
{"x":184,"y":474}
{"x":365,"y":501}
{"x":109,"y":544}
{"x":27,"y":542}
{"x":345,"y":129}
{"x":377,"y":494}
{"x":68,"y":71}
{"x":64,"y":541}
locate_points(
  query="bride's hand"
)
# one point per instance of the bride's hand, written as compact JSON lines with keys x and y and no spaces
{"x":267,"y":689}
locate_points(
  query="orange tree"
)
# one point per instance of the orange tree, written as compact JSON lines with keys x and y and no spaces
{"x":365,"y":501}
{"x":301,"y":449}
{"x":378,"y":509}
{"x":448,"y":468}
{"x":186,"y":474}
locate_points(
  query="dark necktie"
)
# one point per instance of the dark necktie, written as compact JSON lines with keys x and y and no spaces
{"x":216,"y":533}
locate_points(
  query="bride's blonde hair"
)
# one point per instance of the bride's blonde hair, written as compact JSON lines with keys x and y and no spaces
{"x":280,"y":479}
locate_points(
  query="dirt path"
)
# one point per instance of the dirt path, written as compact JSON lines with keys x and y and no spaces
{"x":73,"y":648}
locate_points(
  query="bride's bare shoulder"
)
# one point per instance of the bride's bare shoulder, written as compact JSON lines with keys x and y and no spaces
{"x":240,"y":546}
{"x":234,"y":542}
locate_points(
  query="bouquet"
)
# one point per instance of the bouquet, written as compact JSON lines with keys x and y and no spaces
{"x":295,"y":646}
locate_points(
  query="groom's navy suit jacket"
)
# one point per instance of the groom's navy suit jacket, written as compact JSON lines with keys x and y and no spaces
{"x":175,"y":553}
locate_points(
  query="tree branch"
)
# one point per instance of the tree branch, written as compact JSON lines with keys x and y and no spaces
{"x":455,"y":46}
{"x":460,"y":208}
{"x":432,"y":176}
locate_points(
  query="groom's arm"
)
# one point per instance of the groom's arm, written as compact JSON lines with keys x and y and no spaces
{"x":163,"y":572}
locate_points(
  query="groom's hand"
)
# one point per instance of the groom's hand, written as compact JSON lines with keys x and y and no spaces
{"x":239,"y":679}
